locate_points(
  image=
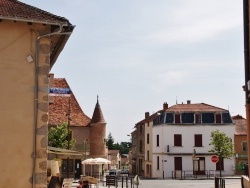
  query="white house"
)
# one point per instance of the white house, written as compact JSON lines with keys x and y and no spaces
{"x":181,"y":136}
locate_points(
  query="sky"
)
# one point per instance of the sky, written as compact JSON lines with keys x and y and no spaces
{"x":137,"y":54}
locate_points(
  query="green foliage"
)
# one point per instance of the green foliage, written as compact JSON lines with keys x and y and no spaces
{"x":123,"y":147}
{"x":110,"y":142}
{"x":58,"y":137}
{"x":221,"y":145}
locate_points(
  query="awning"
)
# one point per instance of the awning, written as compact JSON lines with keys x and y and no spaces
{"x":60,"y":151}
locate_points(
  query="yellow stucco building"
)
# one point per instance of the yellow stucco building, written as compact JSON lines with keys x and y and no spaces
{"x":31,"y":40}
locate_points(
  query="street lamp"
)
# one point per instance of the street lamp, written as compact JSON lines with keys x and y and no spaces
{"x":68,"y":114}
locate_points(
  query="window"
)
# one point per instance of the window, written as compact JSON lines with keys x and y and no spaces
{"x":207,"y":118}
{"x":187,"y":118}
{"x":244,"y":146}
{"x":158,"y":163}
{"x":140,"y":128}
{"x":226,"y":118}
{"x":64,"y":165}
{"x":217,"y":118}
{"x":157,"y":140}
{"x":177,"y":140}
{"x":178,"y":163}
{"x":198,"y":140}
{"x":220,"y":164}
{"x":140,"y":146}
{"x":169,"y":118}
{"x":177,"y":118}
{"x":147,"y":138}
{"x":197,"y":118}
{"x":147,"y":155}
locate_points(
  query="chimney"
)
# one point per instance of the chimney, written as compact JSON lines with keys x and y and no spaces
{"x":188,"y":101}
{"x":146,"y":115}
{"x":165,"y":106}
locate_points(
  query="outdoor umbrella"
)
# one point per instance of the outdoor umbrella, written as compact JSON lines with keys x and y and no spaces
{"x":96,"y":161}
{"x":101,"y":161}
{"x":88,"y":161}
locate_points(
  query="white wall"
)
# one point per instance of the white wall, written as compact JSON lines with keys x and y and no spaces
{"x":166,"y":137}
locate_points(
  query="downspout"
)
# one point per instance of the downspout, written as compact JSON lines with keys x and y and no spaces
{"x":246,"y":56}
{"x":59,"y":32}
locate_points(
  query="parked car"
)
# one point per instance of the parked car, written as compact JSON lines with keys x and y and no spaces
{"x":112,"y":172}
{"x":124,"y":171}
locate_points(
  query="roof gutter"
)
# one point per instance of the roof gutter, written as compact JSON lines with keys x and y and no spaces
{"x":59,"y":32}
{"x":66,"y":23}
{"x":246,"y":46}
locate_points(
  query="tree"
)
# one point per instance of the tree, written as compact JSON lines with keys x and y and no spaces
{"x":222,"y":146}
{"x":123,"y":147}
{"x":58,"y":137}
{"x":110,"y":142}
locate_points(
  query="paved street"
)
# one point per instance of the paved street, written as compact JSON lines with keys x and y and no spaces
{"x":230,"y":183}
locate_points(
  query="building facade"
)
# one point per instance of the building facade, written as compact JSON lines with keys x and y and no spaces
{"x":240,"y":144}
{"x":89,"y":133}
{"x":181,"y":138}
{"x":31,"y":40}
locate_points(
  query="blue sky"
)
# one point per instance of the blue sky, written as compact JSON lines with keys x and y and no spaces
{"x":138,"y":54}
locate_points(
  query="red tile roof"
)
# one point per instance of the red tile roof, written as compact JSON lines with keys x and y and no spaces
{"x":97,"y":115}
{"x":199,"y":107}
{"x":16,"y":10}
{"x":58,"y":110}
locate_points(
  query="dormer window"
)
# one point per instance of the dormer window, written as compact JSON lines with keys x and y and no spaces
{"x":177,"y":118}
{"x":187,"y":118}
{"x":197,"y":118}
{"x":208,"y":117}
{"x":217,"y":118}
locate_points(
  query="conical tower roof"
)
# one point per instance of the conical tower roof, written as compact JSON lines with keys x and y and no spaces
{"x":97,"y":115}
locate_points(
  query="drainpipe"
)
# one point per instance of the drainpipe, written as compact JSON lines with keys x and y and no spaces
{"x":59,"y":32}
{"x":246,"y":56}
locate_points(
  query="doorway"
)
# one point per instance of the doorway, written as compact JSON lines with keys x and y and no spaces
{"x":78,"y":168}
{"x":199,"y":166}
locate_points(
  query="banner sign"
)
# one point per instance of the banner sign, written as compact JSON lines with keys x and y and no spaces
{"x":61,"y":92}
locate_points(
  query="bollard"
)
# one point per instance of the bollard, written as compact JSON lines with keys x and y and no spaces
{"x":216,"y":182}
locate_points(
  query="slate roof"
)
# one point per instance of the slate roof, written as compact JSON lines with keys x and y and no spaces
{"x":199,"y":107}
{"x":58,"y":110}
{"x":240,"y":125}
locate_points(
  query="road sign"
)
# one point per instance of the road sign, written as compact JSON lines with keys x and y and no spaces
{"x":63,"y":92}
{"x":214,"y":158}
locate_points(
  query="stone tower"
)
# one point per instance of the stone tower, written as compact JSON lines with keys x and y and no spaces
{"x":97,"y":133}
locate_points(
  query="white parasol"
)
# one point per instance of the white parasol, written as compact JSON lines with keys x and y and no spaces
{"x":88,"y":161}
{"x":96,"y":161}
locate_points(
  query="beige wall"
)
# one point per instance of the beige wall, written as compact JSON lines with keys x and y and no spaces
{"x":17,"y":80}
{"x":148,"y":148}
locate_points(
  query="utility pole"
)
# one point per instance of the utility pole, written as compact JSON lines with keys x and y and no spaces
{"x":68,"y":114}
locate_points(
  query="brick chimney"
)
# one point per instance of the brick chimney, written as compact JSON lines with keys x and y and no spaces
{"x":165,"y":106}
{"x":146,"y":115}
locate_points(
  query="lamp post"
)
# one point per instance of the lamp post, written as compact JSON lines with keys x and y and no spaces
{"x":68,"y":140}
